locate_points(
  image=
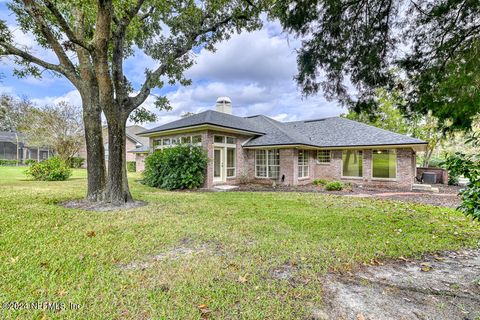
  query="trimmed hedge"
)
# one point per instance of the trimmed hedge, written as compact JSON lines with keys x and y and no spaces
{"x":53,"y":169}
{"x":30,"y":161}
{"x":4,"y":162}
{"x":131,"y":166}
{"x":179,"y":167}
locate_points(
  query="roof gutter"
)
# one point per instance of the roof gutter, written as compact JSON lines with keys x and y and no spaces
{"x":420,"y":146}
{"x":205,"y":126}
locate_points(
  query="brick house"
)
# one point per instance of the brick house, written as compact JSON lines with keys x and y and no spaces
{"x":133,"y":142}
{"x":260,"y":149}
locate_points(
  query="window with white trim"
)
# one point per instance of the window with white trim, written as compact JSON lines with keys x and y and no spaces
{"x":303,"y":166}
{"x":323,"y":156}
{"x":267,"y":163}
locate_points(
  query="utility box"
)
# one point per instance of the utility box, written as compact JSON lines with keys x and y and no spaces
{"x":430,"y":177}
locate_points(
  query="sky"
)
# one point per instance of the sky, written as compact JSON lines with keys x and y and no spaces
{"x":254,"y":69}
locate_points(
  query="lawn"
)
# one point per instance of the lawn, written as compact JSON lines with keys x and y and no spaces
{"x":236,"y":255}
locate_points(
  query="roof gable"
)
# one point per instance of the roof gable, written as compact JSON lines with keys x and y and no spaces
{"x":208,"y":117}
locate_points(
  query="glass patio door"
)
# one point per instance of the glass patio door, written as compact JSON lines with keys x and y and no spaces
{"x":218,"y":165}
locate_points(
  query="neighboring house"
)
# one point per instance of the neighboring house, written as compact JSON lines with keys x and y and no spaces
{"x":263,"y":150}
{"x":133,"y":142}
{"x":13,"y":146}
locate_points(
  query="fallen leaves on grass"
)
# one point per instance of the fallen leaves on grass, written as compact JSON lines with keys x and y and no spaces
{"x":204,"y":310}
{"x":91,"y":234}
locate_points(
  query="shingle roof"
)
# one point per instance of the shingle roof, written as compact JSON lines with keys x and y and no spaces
{"x":7,"y":136}
{"x":328,"y":132}
{"x":132,"y":133}
{"x":209,"y":117}
{"x":331,"y":132}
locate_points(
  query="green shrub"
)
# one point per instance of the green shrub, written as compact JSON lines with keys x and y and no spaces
{"x":179,"y":167}
{"x":131,"y":166}
{"x":334,"y":186}
{"x":452,"y":179}
{"x":4,"y":162}
{"x":53,"y":169}
{"x":320,"y":182}
{"x":30,"y":161}
{"x":75,"y":162}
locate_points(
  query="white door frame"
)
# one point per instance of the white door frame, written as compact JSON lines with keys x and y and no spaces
{"x":223,"y":169}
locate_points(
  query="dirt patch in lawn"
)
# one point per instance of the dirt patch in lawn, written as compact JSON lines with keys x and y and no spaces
{"x":185,"y":249}
{"x":83,"y":204}
{"x":443,"y":286}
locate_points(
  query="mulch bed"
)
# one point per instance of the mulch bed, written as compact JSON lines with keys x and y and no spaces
{"x":83,"y":204}
{"x":446,"y":197}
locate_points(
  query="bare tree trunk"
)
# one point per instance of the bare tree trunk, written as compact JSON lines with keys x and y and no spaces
{"x":94,"y":143}
{"x":117,"y":191}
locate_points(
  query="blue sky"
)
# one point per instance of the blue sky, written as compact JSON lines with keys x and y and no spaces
{"x":254,"y":69}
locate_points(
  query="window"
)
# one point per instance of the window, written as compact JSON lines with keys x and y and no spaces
{"x":267,"y":164}
{"x":166,"y":142}
{"x":323,"y":156}
{"x":352,"y":163}
{"x":157,"y":143}
{"x":231,"y":140}
{"x":196,"y":139}
{"x":174,"y":141}
{"x":231,"y":160}
{"x":303,"y":167}
{"x":384,"y":164}
{"x":219,"y":139}
{"x":186,"y":139}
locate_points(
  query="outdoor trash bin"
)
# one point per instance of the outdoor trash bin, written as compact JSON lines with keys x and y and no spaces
{"x":429,"y":177}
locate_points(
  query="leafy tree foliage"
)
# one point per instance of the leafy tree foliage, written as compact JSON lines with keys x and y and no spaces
{"x":433,"y":43}
{"x":468,"y":165}
{"x":92,"y":39}
{"x":179,"y":167}
{"x":13,"y":112}
{"x":59,"y":127}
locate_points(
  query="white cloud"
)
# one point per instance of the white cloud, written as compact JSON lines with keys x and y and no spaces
{"x":72,"y":97}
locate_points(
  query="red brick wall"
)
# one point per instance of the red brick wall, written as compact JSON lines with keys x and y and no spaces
{"x":405,"y":170}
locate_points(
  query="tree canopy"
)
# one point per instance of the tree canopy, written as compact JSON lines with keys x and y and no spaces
{"x":433,"y":43}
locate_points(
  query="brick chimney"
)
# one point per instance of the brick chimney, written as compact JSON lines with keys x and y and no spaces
{"x":224,"y":104}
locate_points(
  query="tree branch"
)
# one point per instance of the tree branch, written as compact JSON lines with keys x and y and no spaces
{"x":14,"y":51}
{"x":152,"y":77}
{"x":118,"y":54}
{"x":64,"y":25}
{"x":34,"y":11}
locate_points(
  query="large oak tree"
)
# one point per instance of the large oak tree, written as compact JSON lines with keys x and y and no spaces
{"x":91,"y":40}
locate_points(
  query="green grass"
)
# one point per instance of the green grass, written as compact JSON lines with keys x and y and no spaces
{"x":49,"y":253}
